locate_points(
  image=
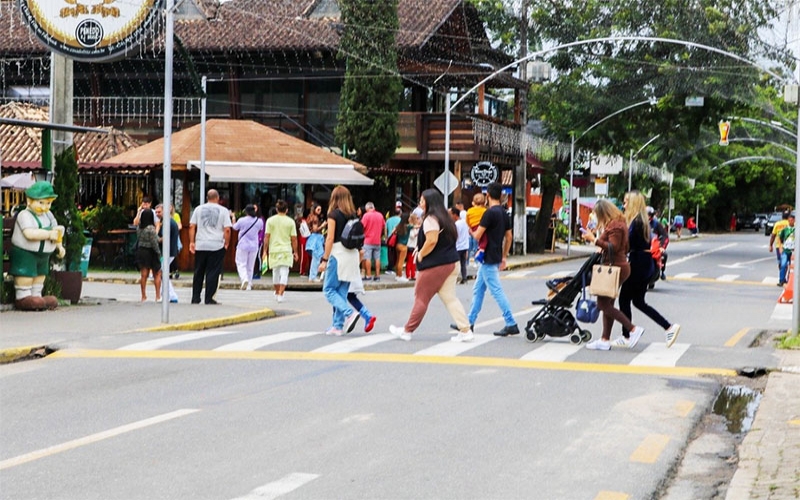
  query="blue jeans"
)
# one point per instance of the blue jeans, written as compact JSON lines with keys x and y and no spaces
{"x":489,"y":278}
{"x":336,"y":294}
{"x":784,"y":267}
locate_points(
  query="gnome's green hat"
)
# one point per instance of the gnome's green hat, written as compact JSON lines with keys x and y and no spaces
{"x":40,"y":190}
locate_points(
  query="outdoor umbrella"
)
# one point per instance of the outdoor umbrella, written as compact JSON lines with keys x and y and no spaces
{"x":21,"y":181}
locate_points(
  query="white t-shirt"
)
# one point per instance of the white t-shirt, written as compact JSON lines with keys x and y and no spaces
{"x":210,"y":220}
{"x":462,"y":243}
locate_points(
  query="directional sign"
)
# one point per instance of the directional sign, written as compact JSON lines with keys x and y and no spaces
{"x":446,"y":178}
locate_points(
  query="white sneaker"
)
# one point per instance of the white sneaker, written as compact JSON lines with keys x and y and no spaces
{"x":401,"y":279}
{"x":333,"y":331}
{"x":672,"y":334}
{"x":463,"y":337}
{"x":245,"y":285}
{"x":279,"y":298}
{"x":350,"y":322}
{"x":399,"y":332}
{"x":249,"y":286}
{"x":620,"y":343}
{"x":599,"y":345}
{"x":636,"y":334}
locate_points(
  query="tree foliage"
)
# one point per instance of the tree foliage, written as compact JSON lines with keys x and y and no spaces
{"x":65,"y":208}
{"x":370,"y":99}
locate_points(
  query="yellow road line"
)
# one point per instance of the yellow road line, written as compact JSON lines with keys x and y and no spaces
{"x":794,"y":422}
{"x":650,"y":449}
{"x":684,"y":407}
{"x":736,"y":337}
{"x":612,"y":495}
{"x":670,"y":371}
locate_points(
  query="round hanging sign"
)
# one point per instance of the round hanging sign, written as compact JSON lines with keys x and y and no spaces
{"x":484,"y":173}
{"x":92,"y":30}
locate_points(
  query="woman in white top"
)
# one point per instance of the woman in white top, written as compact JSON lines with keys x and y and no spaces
{"x":247,"y":247}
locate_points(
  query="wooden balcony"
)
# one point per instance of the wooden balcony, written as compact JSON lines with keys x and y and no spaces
{"x":472,"y":137}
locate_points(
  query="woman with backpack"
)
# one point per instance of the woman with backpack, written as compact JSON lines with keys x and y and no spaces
{"x":436,"y":259}
{"x":339,"y":263}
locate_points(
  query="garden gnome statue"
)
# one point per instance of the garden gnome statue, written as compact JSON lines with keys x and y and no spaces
{"x":35,"y":237}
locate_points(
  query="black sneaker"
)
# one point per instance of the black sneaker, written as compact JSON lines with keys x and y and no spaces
{"x":376,"y":278}
{"x":508,"y":330}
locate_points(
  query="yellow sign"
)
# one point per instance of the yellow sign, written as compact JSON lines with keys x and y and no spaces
{"x":724,"y":129}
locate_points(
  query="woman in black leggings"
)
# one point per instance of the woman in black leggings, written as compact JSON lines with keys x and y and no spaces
{"x":642,"y":268}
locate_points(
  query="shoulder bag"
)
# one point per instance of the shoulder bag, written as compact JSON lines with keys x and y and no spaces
{"x":605,"y":277}
{"x":586,"y":311}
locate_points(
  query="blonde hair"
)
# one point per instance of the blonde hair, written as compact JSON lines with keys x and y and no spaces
{"x":341,"y":199}
{"x":478,"y":200}
{"x":636,"y":208}
{"x":607,"y":212}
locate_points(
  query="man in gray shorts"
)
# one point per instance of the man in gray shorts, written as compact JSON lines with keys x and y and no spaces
{"x":374,"y":232}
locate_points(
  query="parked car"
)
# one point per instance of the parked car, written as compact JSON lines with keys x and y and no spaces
{"x":746,"y":221}
{"x":773,"y":218}
{"x":761,"y":221}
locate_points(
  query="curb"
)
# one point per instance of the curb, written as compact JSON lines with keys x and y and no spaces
{"x":215,"y":322}
{"x":13,"y":354}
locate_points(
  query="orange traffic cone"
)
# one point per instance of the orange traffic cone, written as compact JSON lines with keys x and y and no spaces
{"x":788,"y":289}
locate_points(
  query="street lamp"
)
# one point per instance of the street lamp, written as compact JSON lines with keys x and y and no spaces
{"x":651,"y":101}
{"x":167,"y":173}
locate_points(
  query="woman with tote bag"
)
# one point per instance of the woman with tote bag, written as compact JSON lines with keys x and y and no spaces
{"x":613,"y":244}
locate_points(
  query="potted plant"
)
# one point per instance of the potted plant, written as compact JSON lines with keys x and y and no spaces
{"x":65,"y":209}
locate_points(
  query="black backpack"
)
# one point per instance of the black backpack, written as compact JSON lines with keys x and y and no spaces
{"x":353,"y":234}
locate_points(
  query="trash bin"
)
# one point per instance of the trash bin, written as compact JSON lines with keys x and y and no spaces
{"x":384,"y":257}
{"x":86,"y":253}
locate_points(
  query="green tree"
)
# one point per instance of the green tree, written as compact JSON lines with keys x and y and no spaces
{"x":65,"y":208}
{"x":370,"y":101}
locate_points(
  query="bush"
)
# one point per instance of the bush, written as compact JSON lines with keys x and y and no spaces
{"x":104,"y":218}
{"x":65,"y":207}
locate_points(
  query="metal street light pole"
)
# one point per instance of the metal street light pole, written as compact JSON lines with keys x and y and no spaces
{"x":167,"y":177}
{"x":203,"y":82}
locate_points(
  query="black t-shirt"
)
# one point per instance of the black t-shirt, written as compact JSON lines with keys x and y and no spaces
{"x":496,"y":222}
{"x":341,"y":220}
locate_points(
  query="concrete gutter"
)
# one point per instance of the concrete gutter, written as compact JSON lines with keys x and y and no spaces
{"x":207,"y":324}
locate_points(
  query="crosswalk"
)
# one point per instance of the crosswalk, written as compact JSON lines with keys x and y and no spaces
{"x":720,"y":278}
{"x":548,"y":350}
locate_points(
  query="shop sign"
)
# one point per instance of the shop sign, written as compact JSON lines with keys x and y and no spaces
{"x":92,"y":30}
{"x":484,"y":173}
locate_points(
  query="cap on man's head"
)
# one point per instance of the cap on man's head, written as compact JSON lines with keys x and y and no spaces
{"x":786,"y":214}
{"x":40,"y":190}
{"x":398,"y":203}
{"x":650,"y":211}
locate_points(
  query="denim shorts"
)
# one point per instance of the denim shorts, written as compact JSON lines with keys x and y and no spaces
{"x":372,"y":252}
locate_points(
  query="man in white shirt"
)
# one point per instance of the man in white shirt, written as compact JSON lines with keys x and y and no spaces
{"x":209,"y":236}
{"x":462,"y":243}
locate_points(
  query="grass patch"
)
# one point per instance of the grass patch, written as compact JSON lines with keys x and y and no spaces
{"x":788,"y":341}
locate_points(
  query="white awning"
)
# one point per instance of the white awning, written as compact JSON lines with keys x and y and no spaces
{"x":283,"y":173}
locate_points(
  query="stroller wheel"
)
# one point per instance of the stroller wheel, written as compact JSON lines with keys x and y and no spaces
{"x":586,"y":335}
{"x":530,"y":335}
{"x":575,"y":338}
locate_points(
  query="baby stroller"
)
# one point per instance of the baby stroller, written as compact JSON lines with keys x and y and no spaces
{"x":555,"y":318}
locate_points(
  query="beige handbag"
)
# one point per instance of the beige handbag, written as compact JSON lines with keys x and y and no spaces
{"x":605,"y":278}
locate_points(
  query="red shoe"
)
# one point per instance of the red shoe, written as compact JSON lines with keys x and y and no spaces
{"x":370,"y":324}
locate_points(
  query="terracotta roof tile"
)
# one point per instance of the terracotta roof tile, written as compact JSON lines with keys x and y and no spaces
{"x":23,"y":145}
{"x":232,"y":141}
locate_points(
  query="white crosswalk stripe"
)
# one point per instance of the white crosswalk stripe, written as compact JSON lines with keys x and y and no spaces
{"x":449,"y":348}
{"x":727,"y":277}
{"x":657,"y":354}
{"x":684,"y":276}
{"x":173,"y":340}
{"x":281,"y":487}
{"x":258,"y":342}
{"x":552,"y":351}
{"x":355,"y":344}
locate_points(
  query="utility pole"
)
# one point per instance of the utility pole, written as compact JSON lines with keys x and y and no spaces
{"x":520,"y":193}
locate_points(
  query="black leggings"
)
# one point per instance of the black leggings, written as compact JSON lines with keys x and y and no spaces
{"x":633,"y":291}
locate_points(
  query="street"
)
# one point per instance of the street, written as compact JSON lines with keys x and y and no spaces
{"x":275,"y":409}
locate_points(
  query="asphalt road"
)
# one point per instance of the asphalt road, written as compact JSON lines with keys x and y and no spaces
{"x":276,"y":410}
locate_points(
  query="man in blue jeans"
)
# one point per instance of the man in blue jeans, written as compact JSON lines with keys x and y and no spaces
{"x":496,"y":225}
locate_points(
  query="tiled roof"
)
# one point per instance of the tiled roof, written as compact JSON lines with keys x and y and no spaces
{"x":21,"y":147}
{"x":257,"y":25}
{"x":231,"y":141}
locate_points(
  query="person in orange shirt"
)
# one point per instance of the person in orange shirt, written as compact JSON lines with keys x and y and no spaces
{"x":474,"y":215}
